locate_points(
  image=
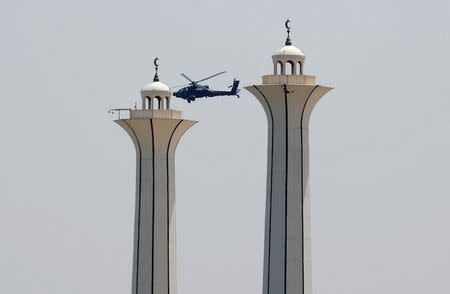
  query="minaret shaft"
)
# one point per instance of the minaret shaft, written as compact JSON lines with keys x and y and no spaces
{"x":287,"y":249}
{"x":154,"y":256}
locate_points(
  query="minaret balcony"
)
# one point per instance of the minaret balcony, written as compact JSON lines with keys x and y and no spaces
{"x":288,"y":80}
{"x":126,"y":113}
{"x":155,"y":113}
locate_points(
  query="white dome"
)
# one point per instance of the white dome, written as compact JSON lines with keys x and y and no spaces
{"x":155,"y":89}
{"x":155,"y":86}
{"x":289,"y":50}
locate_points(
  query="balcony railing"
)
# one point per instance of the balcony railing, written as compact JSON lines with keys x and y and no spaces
{"x":288,"y":80}
{"x":125,"y":113}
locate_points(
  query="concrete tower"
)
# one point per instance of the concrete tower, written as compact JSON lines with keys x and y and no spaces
{"x":155,"y":130}
{"x":288,"y":98}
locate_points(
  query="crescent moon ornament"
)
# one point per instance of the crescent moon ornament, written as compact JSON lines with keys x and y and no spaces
{"x":286,"y":24}
{"x":155,"y":62}
{"x":288,"y":29}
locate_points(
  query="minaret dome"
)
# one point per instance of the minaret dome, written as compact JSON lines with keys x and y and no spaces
{"x":288,"y":60}
{"x":156,"y":91}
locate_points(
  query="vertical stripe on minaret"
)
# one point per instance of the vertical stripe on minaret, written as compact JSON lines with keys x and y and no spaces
{"x":155,"y":141}
{"x":288,"y":102}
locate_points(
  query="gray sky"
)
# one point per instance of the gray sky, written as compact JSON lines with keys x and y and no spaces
{"x":379,"y":142}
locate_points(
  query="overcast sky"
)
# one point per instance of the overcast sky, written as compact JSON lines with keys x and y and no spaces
{"x":380,"y":142}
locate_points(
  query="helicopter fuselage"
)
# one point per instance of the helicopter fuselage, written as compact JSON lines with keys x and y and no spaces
{"x":192,"y":92}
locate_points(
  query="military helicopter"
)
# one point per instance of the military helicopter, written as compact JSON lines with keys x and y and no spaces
{"x":195,"y":90}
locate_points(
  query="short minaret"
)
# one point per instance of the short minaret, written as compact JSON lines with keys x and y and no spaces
{"x":288,"y":98}
{"x":155,"y":131}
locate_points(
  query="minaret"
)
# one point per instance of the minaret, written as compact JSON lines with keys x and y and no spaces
{"x":155,"y":130}
{"x":288,"y":98}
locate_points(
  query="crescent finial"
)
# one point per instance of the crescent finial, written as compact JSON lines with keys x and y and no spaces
{"x":286,"y":24}
{"x":155,"y":62}
{"x":288,"y":27}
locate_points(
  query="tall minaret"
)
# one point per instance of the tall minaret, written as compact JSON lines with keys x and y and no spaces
{"x":155,"y":130}
{"x":288,"y":98}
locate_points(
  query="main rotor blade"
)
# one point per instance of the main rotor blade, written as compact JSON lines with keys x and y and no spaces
{"x":222,"y":72}
{"x":177,"y":86}
{"x":187,"y":78}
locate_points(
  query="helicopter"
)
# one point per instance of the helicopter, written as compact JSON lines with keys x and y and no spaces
{"x":195,"y":90}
